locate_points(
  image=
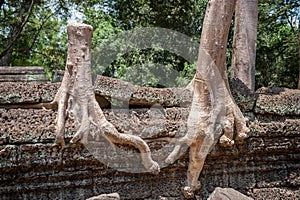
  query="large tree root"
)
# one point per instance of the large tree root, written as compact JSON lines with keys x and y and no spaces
{"x":206,"y":125}
{"x":210,"y":120}
{"x":217,"y":116}
{"x":76,"y":98}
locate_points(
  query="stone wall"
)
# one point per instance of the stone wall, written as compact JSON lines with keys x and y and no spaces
{"x":266,"y":166}
{"x":20,"y":74}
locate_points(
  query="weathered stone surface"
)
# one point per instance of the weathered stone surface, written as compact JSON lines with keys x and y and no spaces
{"x":33,"y":95}
{"x":31,"y":168}
{"x":276,"y":193}
{"x":242,"y":95}
{"x":38,"y":125}
{"x":269,"y":158}
{"x":227,"y":194}
{"x":279,"y":101}
{"x":147,"y":123}
{"x":27,"y":92}
{"x":26,"y":125}
{"x":286,"y":128}
{"x":145,"y":96}
{"x":17,"y":74}
{"x":141,"y":96}
{"x":36,"y":92}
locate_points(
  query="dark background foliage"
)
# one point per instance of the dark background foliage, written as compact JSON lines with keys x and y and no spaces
{"x":33,"y":33}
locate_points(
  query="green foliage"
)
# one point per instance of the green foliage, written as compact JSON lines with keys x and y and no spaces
{"x":183,"y":16}
{"x":277,"y":60}
{"x":51,"y":50}
{"x":35,"y":32}
{"x":153,"y":66}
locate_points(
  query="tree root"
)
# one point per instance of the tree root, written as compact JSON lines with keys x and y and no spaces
{"x":76,"y":98}
{"x":209,"y":121}
{"x":235,"y":125}
{"x":204,"y":131}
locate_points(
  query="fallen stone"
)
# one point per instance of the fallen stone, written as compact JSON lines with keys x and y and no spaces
{"x":112,"y":196}
{"x":227,"y":194}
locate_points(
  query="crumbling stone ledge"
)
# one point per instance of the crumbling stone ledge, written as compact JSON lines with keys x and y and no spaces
{"x":19,"y":93}
{"x":20,"y":74}
{"x":273,"y":100}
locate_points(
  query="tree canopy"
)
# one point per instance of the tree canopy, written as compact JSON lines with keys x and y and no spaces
{"x":277,"y":46}
{"x":33,"y":33}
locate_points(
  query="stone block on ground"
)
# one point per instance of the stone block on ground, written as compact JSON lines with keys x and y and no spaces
{"x":227,"y":194}
{"x":112,"y":196}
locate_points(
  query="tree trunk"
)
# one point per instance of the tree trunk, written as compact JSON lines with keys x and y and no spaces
{"x":15,"y":32}
{"x":214,"y":116}
{"x":76,"y":98}
{"x":244,"y":42}
{"x":5,"y":60}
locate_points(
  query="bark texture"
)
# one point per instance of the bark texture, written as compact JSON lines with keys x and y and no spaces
{"x":76,"y":98}
{"x":244,"y":42}
{"x":299,"y":55}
